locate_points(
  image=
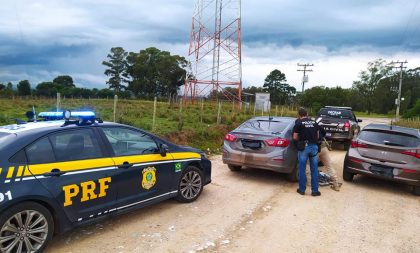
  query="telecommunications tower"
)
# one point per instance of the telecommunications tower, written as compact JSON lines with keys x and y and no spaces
{"x":215,"y":50}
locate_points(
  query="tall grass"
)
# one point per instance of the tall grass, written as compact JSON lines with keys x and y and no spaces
{"x":188,"y":125}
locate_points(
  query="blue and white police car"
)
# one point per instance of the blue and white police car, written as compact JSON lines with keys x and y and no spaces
{"x":72,"y":169}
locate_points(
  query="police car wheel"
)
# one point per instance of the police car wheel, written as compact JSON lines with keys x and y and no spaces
{"x":26,"y":227}
{"x":191,"y":185}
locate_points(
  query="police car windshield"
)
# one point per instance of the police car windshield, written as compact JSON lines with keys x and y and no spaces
{"x":335,"y":113}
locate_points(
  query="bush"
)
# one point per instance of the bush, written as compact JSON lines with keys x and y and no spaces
{"x":413,"y":112}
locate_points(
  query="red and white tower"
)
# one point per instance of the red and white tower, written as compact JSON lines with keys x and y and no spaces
{"x":215,"y":50}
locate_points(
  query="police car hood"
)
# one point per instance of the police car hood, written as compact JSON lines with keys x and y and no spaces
{"x":191,"y":149}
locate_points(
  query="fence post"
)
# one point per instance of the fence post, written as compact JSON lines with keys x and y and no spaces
{"x":255,"y":108}
{"x":115,"y":106}
{"x":277,"y":107}
{"x":58,"y":101}
{"x":154,"y":115}
{"x":201,"y":111}
{"x":282,"y":109}
{"x":218,"y":113}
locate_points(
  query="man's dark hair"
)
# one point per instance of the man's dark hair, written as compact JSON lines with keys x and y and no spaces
{"x":302,"y":112}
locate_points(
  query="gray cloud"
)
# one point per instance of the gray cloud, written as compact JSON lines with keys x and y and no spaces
{"x":39,"y":39}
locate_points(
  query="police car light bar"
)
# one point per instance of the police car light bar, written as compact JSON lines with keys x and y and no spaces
{"x":67,"y":115}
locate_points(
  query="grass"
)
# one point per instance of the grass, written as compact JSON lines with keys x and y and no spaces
{"x":412,"y":123}
{"x":373,"y":115}
{"x":185,"y":124}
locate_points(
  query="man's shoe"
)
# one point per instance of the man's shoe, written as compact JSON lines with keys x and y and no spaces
{"x":316,"y":194}
{"x":301,"y":193}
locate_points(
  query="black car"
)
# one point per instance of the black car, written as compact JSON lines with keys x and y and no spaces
{"x":339,"y":123}
{"x":56,"y":175}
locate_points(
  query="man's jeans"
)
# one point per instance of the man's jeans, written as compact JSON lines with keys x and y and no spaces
{"x":311,"y":152}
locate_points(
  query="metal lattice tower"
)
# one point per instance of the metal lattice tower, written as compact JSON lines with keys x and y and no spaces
{"x":215,"y":50}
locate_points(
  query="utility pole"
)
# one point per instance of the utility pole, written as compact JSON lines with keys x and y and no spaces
{"x":305,"y":78}
{"x":398,"y":102}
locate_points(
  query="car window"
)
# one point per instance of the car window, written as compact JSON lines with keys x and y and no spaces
{"x":125,"y":141}
{"x":335,"y":113}
{"x":389,"y":138}
{"x":265,"y":125}
{"x":74,"y":145}
{"x":40,"y":152}
{"x":19,"y":157}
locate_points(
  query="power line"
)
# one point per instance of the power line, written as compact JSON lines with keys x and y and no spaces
{"x":304,"y":70}
{"x":398,"y":101}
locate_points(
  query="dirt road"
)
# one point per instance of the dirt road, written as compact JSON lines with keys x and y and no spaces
{"x":260,"y":211}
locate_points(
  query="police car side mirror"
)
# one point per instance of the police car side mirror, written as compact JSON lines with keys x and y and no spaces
{"x":163,"y":149}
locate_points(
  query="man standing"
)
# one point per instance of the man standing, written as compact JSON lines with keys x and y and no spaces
{"x":306,"y":133}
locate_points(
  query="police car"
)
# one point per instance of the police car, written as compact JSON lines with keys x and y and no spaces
{"x":59,"y":174}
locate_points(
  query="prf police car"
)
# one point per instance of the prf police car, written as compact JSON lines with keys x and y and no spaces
{"x":55,"y":175}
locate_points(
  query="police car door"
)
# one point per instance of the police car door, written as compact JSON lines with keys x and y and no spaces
{"x":72,"y":166}
{"x":144,"y":174}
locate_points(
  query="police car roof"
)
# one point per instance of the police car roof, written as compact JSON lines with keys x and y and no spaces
{"x":39,"y":126}
{"x":410,"y":131}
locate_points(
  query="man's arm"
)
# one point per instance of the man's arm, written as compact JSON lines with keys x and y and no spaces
{"x":295,"y":136}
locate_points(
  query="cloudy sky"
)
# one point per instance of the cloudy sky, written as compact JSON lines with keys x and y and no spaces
{"x":40,"y":39}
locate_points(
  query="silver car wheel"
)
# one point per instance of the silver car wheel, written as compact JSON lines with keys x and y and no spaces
{"x":24,"y":232}
{"x":190,"y":185}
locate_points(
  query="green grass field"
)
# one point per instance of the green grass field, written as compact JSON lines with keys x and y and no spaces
{"x":190,"y":124}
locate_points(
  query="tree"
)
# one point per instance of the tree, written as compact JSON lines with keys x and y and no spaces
{"x":64,"y":81}
{"x":24,"y":88}
{"x":370,"y":80}
{"x":276,"y":84}
{"x":155,"y":73}
{"x":117,"y":68}
{"x":46,"y":89}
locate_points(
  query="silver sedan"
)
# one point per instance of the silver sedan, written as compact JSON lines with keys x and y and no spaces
{"x":264,"y":143}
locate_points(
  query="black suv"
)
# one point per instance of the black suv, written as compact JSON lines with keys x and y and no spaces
{"x":340,"y":123}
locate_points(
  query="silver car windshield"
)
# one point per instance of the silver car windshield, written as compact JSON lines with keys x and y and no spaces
{"x":265,"y":125}
{"x":390,"y":138}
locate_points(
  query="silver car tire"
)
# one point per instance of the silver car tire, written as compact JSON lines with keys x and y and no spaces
{"x":26,"y":227}
{"x":234,"y":167}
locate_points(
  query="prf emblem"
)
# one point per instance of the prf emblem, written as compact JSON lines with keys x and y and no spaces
{"x":149,"y":177}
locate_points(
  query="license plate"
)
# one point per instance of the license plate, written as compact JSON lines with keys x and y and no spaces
{"x":382,"y":170}
{"x":328,"y":134}
{"x":251,"y":144}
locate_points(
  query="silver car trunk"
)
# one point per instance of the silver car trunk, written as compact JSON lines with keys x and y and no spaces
{"x":249,"y":141}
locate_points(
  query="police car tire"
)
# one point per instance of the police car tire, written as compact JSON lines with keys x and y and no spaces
{"x":234,"y":167}
{"x":195,"y":171}
{"x":347,"y":176}
{"x":31,"y":206}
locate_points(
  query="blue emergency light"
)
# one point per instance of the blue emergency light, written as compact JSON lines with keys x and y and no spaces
{"x":67,"y":115}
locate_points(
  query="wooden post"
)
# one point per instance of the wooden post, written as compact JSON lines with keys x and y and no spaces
{"x":115,"y":106}
{"x":255,"y":108}
{"x":277,"y":107}
{"x":202,"y":111}
{"x":282,"y":109}
{"x":154,"y":115}
{"x":218,"y":113}
{"x":58,"y":101}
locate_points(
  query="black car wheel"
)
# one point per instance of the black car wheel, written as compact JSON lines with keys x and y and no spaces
{"x":347,"y":176}
{"x":416,"y":190}
{"x":26,"y":227}
{"x":347,"y":145}
{"x":234,"y":167}
{"x":191,"y":185}
{"x":294,"y":175}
